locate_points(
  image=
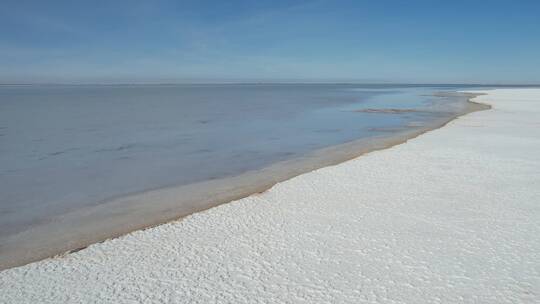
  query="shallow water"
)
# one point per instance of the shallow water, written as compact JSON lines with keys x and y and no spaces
{"x":67,"y":147}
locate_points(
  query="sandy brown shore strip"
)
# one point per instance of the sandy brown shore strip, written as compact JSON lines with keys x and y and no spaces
{"x":76,"y":230}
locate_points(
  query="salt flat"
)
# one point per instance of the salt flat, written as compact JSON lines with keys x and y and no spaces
{"x":452,"y":216}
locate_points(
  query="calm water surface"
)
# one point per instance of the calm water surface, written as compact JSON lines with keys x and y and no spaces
{"x":66,"y":147}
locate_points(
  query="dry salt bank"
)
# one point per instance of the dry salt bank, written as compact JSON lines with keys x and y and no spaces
{"x":452,"y":216}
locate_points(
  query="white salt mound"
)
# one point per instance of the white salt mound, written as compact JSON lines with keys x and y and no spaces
{"x":452,"y":216}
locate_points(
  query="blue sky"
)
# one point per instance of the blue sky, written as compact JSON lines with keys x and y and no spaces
{"x":191,"y":41}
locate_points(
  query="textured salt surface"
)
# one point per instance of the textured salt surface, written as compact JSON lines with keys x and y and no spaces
{"x":452,"y":216}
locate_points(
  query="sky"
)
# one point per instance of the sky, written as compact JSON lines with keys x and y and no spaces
{"x":491,"y":41}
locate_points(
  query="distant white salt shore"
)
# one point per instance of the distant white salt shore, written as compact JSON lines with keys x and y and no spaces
{"x":449,"y":217}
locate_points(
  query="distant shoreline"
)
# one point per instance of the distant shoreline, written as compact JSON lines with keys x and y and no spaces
{"x":125,"y":214}
{"x":533,"y":85}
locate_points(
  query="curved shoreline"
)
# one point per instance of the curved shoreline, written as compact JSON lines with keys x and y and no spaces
{"x":116,"y":217}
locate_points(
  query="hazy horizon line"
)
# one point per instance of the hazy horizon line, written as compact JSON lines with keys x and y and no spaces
{"x":261,"y":82}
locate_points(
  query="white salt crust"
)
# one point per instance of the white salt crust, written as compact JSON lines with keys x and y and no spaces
{"x":452,"y":216}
